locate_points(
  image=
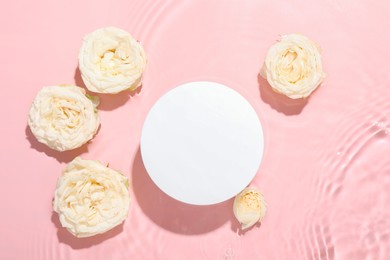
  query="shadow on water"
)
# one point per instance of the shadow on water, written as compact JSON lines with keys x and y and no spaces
{"x":278,"y":101}
{"x":64,"y":236}
{"x":108,"y":102}
{"x":174,"y":215}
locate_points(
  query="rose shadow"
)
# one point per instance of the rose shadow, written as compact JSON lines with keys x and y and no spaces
{"x":278,"y":101}
{"x":237,"y":229}
{"x":64,"y":236}
{"x":173,"y":215}
{"x":65,"y":156}
{"x":108,"y":102}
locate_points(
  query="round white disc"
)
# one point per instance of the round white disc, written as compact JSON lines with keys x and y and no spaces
{"x":202,"y":143}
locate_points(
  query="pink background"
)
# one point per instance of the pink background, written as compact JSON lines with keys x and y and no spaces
{"x":326,"y":167}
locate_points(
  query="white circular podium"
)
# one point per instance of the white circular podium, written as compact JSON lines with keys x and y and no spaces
{"x":202,"y":143}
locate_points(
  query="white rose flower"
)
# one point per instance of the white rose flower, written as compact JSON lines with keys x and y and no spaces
{"x":111,"y":60}
{"x":91,"y":198}
{"x":293,"y":66}
{"x":63,"y":117}
{"x":249,"y":207}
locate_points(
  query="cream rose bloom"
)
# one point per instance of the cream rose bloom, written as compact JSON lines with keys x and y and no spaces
{"x":91,"y":198}
{"x":63,"y":117}
{"x":111,"y":60}
{"x":293,"y":66}
{"x":249,"y":207}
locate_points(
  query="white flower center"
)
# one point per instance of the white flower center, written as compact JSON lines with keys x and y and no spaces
{"x":291,"y":66}
{"x":250,"y":200}
{"x":91,"y":196}
{"x":113,"y":62}
{"x":64,"y":113}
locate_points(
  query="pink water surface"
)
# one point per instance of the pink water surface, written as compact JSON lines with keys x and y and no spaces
{"x":325,"y":173}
